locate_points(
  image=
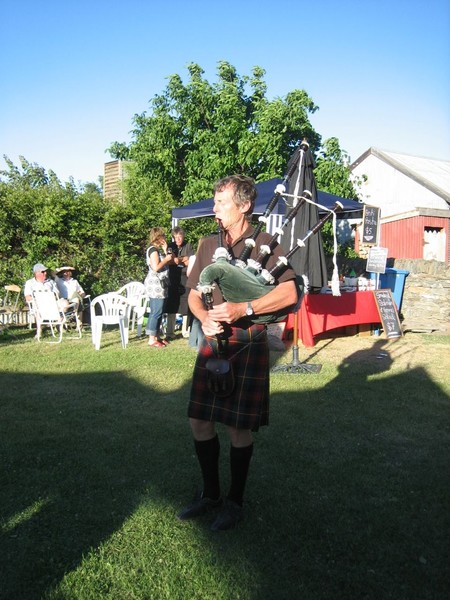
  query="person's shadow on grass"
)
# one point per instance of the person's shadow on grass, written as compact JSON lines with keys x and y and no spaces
{"x":368,"y":361}
{"x":352,"y":482}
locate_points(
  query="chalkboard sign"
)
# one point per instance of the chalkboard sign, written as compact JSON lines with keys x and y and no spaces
{"x":376,"y":261}
{"x":388,"y":313}
{"x":371,"y":221}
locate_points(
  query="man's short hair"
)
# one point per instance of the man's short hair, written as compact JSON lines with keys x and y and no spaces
{"x":177,"y":229}
{"x":244,"y":189}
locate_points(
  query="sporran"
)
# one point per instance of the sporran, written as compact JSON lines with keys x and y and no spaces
{"x":220,"y":376}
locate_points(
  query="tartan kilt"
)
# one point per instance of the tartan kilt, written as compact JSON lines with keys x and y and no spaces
{"x":247,"y":407}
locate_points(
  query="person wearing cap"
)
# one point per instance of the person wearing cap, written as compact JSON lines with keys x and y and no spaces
{"x":39,"y":282}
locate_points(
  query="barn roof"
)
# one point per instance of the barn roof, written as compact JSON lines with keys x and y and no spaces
{"x":431,"y":173}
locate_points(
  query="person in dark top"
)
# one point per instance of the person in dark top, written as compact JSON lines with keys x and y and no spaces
{"x":245,"y":407}
{"x":176,"y":301}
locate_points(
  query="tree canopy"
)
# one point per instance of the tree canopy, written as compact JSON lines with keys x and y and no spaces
{"x":332,"y":170}
{"x":197,"y":132}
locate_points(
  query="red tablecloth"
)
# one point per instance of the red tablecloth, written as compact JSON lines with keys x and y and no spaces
{"x":321,"y":312}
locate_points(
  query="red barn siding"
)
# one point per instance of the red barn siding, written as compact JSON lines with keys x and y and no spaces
{"x":405,"y":238}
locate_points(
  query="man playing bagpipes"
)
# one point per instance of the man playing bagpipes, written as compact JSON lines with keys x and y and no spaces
{"x":231,"y":376}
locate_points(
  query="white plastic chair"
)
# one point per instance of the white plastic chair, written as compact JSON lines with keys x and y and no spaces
{"x":136,"y":295}
{"x":112,"y":309}
{"x":48,"y":311}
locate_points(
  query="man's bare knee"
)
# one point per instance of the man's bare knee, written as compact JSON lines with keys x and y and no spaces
{"x":240,"y":438}
{"x":202,"y":430}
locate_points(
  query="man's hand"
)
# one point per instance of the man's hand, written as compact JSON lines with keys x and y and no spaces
{"x":210,"y":326}
{"x":228,"y":312}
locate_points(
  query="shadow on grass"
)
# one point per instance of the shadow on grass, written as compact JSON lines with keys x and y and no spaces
{"x":362,"y":484}
{"x":347,"y":494}
{"x":78,"y":454}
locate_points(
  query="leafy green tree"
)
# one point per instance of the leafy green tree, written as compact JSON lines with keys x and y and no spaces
{"x":332,"y":170}
{"x":43,"y":220}
{"x":196,"y":132}
{"x":199,"y":131}
{"x":119,"y":151}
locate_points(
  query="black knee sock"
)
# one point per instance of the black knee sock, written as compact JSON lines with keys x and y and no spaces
{"x":208,"y":457}
{"x":239,"y":464}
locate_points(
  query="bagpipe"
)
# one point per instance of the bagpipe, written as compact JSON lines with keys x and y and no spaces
{"x":245,"y":279}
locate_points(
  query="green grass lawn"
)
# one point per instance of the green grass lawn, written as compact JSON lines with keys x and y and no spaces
{"x":348,"y":494}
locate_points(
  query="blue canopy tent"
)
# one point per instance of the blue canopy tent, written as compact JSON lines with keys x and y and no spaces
{"x":266,"y":190}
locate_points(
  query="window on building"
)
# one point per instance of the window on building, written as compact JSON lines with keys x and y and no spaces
{"x":434,"y":243}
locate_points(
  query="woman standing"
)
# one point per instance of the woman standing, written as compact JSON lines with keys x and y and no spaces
{"x":157,"y":283}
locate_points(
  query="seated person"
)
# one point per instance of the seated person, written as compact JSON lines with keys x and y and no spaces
{"x":39,"y":282}
{"x":68,"y":287}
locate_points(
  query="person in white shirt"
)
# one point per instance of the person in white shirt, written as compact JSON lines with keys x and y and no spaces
{"x":39,"y":282}
{"x":42,"y":283}
{"x":68,"y":287}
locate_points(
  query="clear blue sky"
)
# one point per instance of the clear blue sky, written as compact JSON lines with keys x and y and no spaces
{"x":75,"y":73}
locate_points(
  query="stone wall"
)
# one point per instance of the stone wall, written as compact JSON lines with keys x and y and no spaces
{"x":426,"y":298}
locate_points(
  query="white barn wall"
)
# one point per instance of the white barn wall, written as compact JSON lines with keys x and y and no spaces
{"x":391,"y":190}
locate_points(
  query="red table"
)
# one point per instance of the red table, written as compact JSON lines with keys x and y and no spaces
{"x":321,"y":312}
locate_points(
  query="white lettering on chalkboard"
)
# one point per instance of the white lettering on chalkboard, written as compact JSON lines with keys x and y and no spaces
{"x":388,"y":313}
{"x":371,"y":219}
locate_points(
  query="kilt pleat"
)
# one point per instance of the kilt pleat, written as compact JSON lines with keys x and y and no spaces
{"x":247,"y":407}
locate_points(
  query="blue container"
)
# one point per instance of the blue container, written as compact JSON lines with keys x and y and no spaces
{"x":394,"y":280}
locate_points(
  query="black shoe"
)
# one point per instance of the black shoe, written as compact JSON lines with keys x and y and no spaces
{"x":229,"y":516}
{"x":198,"y":507}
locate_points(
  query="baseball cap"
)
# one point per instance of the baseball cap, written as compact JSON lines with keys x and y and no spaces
{"x":39,"y":267}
